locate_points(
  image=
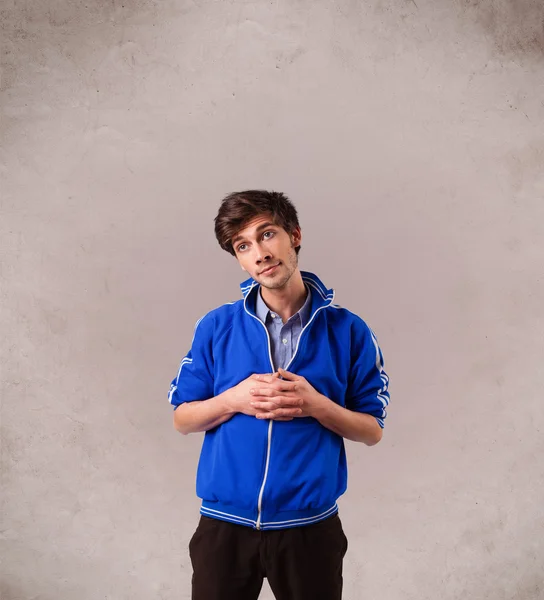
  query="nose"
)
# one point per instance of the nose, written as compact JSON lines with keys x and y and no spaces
{"x":261,"y":254}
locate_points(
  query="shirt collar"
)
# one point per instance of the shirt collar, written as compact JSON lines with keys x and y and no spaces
{"x":262,"y":310}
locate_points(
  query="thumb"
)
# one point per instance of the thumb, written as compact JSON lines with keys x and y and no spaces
{"x":286,"y":374}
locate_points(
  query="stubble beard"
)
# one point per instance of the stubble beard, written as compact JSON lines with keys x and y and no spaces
{"x":291,"y":265}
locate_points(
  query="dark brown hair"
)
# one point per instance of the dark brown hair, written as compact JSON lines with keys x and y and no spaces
{"x":240,"y":208}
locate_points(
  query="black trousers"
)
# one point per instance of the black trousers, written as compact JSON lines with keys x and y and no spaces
{"x":231,"y":561}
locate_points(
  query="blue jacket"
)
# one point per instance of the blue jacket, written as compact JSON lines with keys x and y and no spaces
{"x":277,"y":474}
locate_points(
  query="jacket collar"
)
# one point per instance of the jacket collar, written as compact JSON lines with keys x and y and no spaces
{"x":321,"y":295}
{"x":262,"y":310}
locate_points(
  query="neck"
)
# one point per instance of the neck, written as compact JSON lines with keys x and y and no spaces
{"x":288,"y":300}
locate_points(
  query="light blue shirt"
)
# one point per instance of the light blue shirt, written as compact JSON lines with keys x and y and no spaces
{"x":283,"y":337}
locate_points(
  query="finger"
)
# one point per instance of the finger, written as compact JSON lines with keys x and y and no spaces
{"x":260,"y":375}
{"x":283,"y":419}
{"x":267,"y":377}
{"x":280,"y":412}
{"x":287,"y":401}
{"x":283,"y":385}
{"x":271,"y":392}
{"x":275,"y":386}
{"x":287,"y":375}
{"x":264,"y":391}
{"x":265,"y":406}
{"x":278,"y":402}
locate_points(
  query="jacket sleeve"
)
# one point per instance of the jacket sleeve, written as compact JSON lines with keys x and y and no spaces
{"x":368,"y":386}
{"x":194,"y":380}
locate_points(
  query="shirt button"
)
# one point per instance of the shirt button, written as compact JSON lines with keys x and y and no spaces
{"x":284,"y":341}
{"x":273,"y":315}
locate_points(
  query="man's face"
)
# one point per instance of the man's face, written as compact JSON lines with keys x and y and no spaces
{"x":261,"y":245}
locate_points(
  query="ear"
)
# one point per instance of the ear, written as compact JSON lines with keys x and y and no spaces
{"x":297,"y":236}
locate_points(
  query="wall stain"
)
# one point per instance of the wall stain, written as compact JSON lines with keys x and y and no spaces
{"x":515,"y":27}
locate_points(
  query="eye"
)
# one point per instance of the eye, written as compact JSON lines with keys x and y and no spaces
{"x":240,"y":248}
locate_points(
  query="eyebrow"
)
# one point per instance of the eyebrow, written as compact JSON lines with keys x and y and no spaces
{"x":260,"y":228}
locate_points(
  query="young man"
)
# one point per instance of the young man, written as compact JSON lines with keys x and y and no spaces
{"x":276,"y":380}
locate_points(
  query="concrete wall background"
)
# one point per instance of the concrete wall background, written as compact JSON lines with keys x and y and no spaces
{"x":410,"y":136}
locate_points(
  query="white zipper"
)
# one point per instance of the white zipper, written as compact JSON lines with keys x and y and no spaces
{"x":260,"y":500}
{"x":269,"y":445}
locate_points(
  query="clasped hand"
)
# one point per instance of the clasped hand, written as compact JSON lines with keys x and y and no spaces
{"x":283,"y":399}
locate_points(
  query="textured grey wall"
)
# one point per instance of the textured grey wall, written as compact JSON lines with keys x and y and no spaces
{"x":410,"y":136}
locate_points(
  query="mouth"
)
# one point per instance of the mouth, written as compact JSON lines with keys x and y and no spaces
{"x":269,"y":270}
